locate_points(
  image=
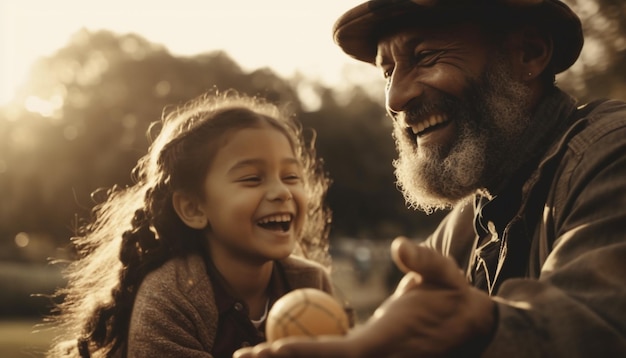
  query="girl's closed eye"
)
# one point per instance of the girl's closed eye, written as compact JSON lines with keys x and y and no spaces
{"x":249,"y":179}
{"x":292,"y":177}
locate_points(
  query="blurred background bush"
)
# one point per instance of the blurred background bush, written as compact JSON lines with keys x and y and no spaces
{"x":79,"y":123}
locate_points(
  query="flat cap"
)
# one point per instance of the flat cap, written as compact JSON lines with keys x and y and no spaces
{"x":359,"y":29}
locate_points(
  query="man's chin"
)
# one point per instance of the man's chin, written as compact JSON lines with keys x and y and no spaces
{"x":425,"y":189}
{"x":420,"y":196}
{"x":430,"y":203}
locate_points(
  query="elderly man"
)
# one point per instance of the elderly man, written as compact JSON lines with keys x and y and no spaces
{"x":531,"y":261}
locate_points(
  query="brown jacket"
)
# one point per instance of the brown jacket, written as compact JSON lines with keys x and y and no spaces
{"x":558,"y":272}
{"x":175,"y":314}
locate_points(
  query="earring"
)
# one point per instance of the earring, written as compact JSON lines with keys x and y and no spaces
{"x":530,"y":74}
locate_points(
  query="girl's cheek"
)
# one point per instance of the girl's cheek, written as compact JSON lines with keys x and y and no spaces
{"x":302,"y":202}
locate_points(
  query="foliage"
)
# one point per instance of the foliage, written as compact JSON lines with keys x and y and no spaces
{"x":80,"y":124}
{"x":600,"y":71}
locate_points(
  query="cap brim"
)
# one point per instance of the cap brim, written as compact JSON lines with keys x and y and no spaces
{"x":358,"y":30}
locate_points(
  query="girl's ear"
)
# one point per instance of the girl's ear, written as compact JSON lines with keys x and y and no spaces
{"x":533,"y":53}
{"x":189,"y":211}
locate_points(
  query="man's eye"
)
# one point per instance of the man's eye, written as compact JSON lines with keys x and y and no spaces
{"x":427,"y":57}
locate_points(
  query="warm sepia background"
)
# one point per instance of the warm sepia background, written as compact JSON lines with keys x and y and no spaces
{"x":81,"y":80}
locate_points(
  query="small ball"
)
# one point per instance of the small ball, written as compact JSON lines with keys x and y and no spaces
{"x":306,"y":312}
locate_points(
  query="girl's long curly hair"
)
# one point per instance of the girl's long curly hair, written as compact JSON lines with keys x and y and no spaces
{"x":135,"y":229}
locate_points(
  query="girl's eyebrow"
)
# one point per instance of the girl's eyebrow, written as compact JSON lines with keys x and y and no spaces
{"x":257,"y":162}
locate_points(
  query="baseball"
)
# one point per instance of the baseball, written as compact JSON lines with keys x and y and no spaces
{"x":306,"y":312}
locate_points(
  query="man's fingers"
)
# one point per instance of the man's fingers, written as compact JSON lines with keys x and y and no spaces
{"x":299,"y":347}
{"x":259,"y":351}
{"x":407,"y":282}
{"x":322,"y":347}
{"x":398,"y":249}
{"x":432,"y":267}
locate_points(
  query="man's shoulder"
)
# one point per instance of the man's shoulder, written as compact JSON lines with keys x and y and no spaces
{"x":588,"y":125}
{"x":599,"y":112}
{"x":597,"y":121}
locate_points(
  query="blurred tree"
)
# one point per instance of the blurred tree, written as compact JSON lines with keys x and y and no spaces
{"x":84,"y":118}
{"x":600,"y":71}
{"x":80,"y":123}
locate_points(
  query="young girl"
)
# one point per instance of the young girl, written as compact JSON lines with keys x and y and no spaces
{"x":228,"y":215}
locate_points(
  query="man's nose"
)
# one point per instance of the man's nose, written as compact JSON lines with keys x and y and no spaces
{"x":401,"y":90}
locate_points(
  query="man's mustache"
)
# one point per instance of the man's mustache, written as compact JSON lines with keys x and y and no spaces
{"x":418,"y":110}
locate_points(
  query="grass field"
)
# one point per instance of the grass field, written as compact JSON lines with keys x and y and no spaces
{"x":20,"y":339}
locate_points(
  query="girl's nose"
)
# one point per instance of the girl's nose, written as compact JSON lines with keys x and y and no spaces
{"x":279,"y":191}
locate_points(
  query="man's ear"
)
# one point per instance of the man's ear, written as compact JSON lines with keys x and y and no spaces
{"x":532,"y":52}
{"x":189,"y":211}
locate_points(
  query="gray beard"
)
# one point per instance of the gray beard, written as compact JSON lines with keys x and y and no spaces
{"x":490,"y":128}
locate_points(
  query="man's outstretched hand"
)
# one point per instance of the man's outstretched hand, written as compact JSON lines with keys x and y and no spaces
{"x":433,"y":312}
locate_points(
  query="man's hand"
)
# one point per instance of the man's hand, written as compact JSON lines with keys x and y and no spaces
{"x":433,"y":312}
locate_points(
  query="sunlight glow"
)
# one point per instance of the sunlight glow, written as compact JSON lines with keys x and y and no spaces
{"x":22,"y":239}
{"x":310,"y":100}
{"x":46,"y":108}
{"x":285,"y":35}
{"x":70,"y":132}
{"x":23,"y":140}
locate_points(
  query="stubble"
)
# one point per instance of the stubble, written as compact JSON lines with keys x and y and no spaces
{"x":490,"y":124}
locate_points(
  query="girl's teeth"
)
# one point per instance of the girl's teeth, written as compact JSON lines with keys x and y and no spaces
{"x":277,"y":218}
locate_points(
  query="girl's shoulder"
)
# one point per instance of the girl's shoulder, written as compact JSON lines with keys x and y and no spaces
{"x":181,"y":273}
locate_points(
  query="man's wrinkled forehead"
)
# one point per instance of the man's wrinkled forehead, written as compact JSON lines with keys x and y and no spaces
{"x":397,"y":42}
{"x":404,"y":39}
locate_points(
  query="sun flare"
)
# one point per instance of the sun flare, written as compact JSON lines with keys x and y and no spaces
{"x":280,"y":34}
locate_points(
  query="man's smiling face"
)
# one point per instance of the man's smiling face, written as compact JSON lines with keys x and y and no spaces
{"x":457,"y":111}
